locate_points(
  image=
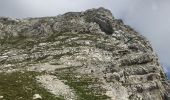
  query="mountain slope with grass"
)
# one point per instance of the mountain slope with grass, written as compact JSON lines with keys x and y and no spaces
{"x":86,"y":55}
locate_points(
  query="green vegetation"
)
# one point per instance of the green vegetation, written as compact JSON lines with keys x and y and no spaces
{"x":81,"y":85}
{"x":22,"y":86}
{"x":18,"y":42}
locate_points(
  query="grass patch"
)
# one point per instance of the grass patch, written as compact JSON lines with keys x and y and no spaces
{"x":22,"y":86}
{"x":81,"y":85}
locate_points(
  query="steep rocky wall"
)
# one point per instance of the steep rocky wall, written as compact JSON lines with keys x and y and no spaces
{"x":118,"y":63}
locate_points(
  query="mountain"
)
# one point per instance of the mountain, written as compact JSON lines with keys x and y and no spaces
{"x":166,"y":69}
{"x":168,"y":75}
{"x":86,"y":55}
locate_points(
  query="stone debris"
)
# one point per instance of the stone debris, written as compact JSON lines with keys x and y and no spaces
{"x":56,"y":86}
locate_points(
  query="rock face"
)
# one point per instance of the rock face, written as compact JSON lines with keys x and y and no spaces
{"x":89,"y":51}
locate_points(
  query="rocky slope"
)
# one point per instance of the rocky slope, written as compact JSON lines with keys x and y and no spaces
{"x":78,"y":56}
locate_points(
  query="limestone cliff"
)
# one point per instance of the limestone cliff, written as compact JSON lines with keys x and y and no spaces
{"x":78,"y":56}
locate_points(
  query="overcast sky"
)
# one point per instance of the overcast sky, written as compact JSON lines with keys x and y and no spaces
{"x":149,"y":17}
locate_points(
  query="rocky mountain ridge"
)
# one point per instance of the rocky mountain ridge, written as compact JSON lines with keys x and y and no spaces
{"x":86,"y":55}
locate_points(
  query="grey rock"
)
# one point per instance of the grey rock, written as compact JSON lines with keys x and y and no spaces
{"x":37,"y":97}
{"x":91,"y":43}
{"x":1,"y":97}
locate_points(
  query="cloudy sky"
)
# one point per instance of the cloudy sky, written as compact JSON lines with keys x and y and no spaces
{"x":149,"y":17}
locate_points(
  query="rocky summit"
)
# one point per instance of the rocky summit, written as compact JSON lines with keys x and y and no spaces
{"x":86,"y":55}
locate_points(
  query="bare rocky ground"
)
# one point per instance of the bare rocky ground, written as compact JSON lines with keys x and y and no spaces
{"x":86,"y":55}
{"x":56,"y":86}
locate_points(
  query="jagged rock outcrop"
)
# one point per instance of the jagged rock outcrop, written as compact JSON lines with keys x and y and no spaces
{"x":93,"y":53}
